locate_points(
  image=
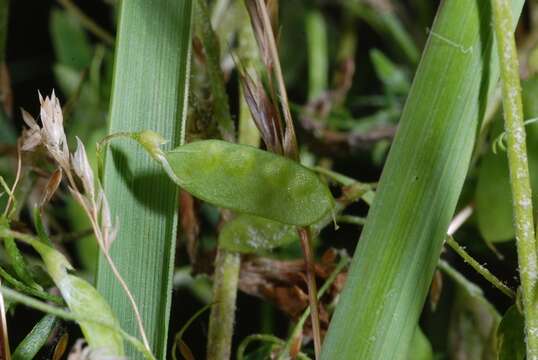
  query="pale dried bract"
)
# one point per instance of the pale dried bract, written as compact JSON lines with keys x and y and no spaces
{"x":51,"y":135}
{"x":82,"y":168}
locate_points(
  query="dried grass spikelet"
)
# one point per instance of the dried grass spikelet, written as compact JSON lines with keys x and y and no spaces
{"x":51,"y":135}
{"x":81,"y":182}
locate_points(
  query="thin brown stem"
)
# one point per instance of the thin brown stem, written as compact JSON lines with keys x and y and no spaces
{"x":304,"y":234}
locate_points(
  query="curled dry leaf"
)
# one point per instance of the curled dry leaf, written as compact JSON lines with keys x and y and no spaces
{"x":283,"y":283}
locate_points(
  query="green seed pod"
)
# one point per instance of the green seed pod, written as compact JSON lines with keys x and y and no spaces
{"x":248,"y":180}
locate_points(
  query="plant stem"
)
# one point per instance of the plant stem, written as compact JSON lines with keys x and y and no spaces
{"x":344,"y":261}
{"x":519,"y":170}
{"x":304,"y":234}
{"x":221,"y":320}
{"x":479,"y":268}
{"x":20,"y":286}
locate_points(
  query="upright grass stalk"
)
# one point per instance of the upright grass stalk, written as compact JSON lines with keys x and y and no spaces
{"x":519,"y":169}
{"x":419,"y":188}
{"x":150,"y":88}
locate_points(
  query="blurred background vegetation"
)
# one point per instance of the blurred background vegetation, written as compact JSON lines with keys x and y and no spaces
{"x":348,"y":66}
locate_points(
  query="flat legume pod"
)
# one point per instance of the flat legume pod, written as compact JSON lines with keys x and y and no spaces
{"x":250,"y":180}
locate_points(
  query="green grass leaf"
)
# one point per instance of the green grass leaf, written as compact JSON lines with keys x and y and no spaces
{"x":149,"y":90}
{"x":34,"y":341}
{"x":419,"y":188}
{"x":82,"y":298}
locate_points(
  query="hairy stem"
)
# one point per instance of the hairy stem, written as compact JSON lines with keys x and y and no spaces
{"x":221,"y":320}
{"x":519,"y":170}
{"x":479,"y":268}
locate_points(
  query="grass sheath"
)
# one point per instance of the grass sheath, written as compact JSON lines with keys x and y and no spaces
{"x":519,"y":169}
{"x":152,"y":52}
{"x":421,"y":182}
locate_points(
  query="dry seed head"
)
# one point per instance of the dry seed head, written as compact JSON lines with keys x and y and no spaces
{"x":108,"y":229}
{"x":82,"y":168}
{"x":51,"y":135}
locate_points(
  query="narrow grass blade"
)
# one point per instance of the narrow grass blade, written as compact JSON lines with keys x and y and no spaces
{"x":149,"y":92}
{"x":419,"y":188}
{"x":34,"y":341}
